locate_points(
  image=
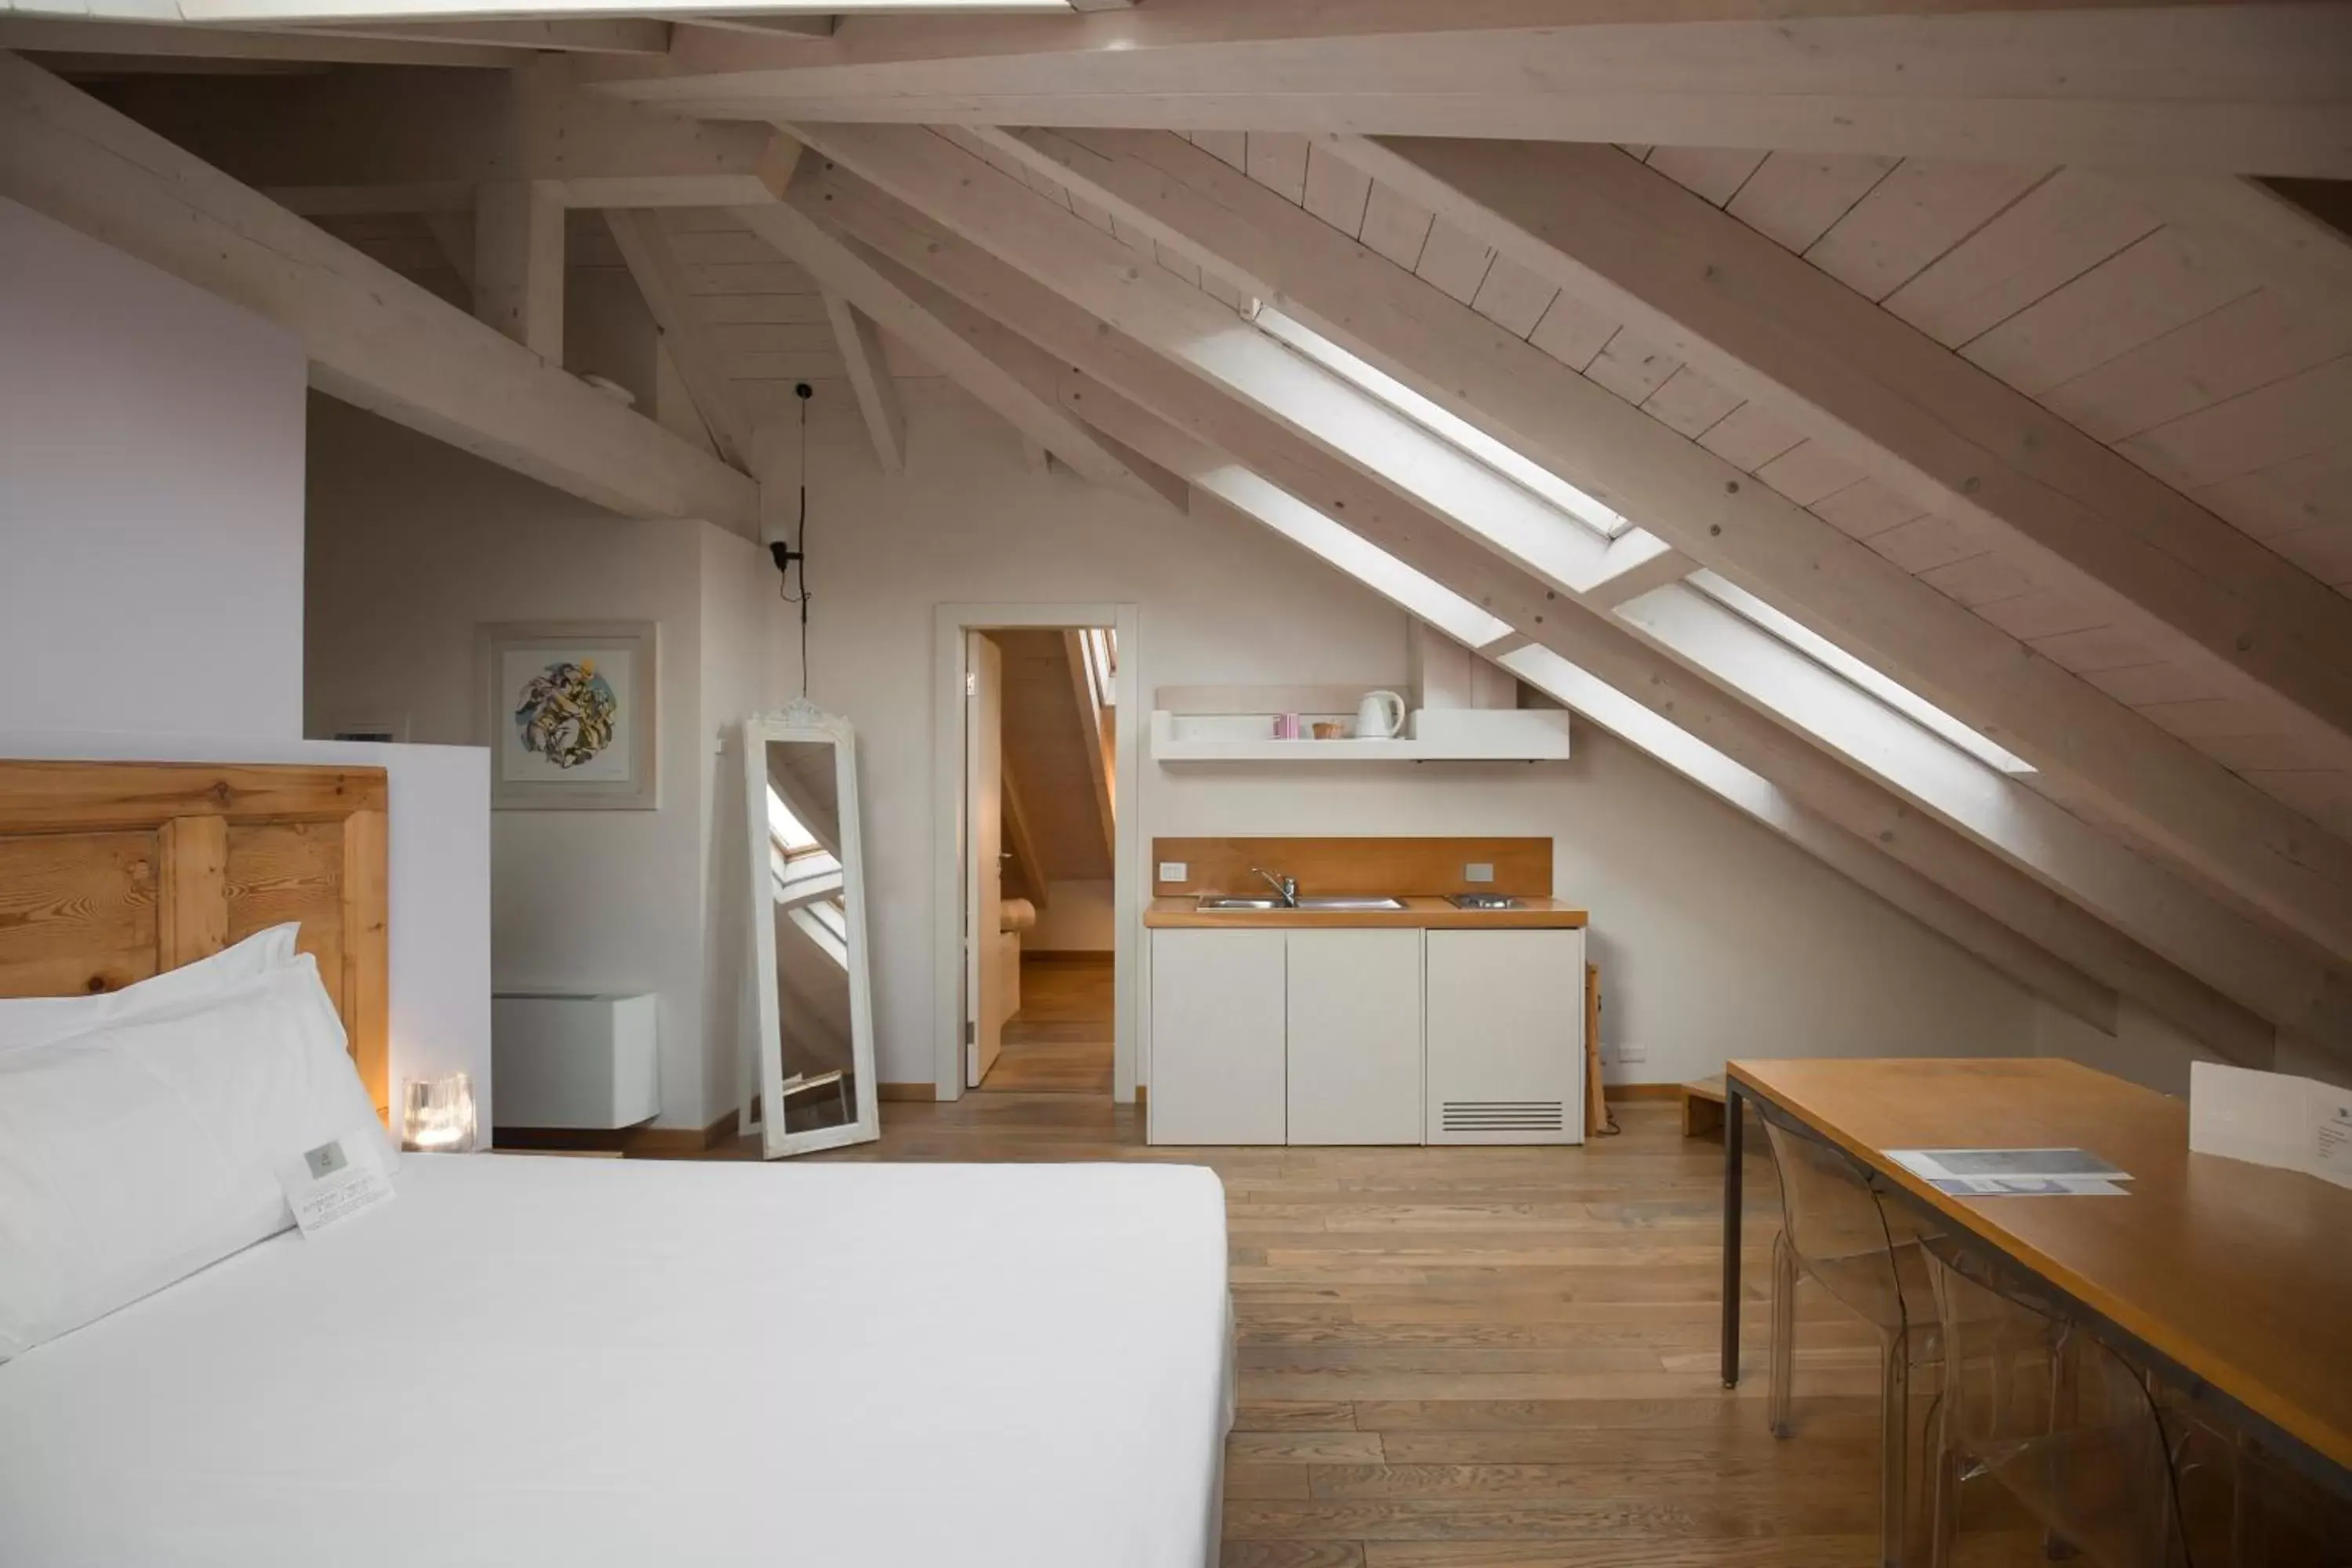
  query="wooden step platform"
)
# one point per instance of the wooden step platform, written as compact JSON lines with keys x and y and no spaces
{"x":1702,"y":1100}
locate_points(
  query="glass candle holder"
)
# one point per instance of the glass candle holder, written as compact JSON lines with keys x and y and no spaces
{"x":438,"y":1115}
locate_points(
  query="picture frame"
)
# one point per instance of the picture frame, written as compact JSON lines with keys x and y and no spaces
{"x":570,"y":711}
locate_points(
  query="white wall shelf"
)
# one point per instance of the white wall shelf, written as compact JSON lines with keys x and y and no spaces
{"x":1449,"y":734}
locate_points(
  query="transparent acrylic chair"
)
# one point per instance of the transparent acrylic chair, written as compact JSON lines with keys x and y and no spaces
{"x":2243,"y":1505}
{"x":2060,"y":1422}
{"x":1866,"y":1253}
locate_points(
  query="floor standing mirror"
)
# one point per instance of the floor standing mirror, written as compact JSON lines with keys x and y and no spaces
{"x":808,"y":922}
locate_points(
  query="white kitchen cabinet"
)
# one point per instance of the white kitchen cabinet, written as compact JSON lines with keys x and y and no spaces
{"x":1218,"y":1012}
{"x":1505,"y":1036}
{"x":1355,"y":1016}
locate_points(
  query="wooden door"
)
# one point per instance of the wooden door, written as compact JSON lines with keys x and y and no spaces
{"x":985,"y":870}
{"x":1217,"y":1036}
{"x":1354,"y":1006}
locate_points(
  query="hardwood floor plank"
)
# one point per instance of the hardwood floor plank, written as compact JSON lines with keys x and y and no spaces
{"x":1280,"y":1481}
{"x":1292,"y":1554}
{"x":1495,"y":1357}
{"x":1294,"y":1415}
{"x":1805,"y":1551}
{"x":1307,"y":1447}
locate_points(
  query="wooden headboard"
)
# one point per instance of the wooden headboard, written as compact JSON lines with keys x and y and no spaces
{"x":110,"y":872}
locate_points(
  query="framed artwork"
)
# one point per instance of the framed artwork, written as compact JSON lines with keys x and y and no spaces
{"x":571,"y":714}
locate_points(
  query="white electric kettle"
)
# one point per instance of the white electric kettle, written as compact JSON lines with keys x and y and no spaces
{"x":1380,"y":715}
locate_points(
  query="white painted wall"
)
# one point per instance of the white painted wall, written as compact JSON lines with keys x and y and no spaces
{"x":1077,"y":917}
{"x":2148,"y":1050}
{"x":437,"y":870}
{"x":413,"y":543}
{"x":1716,"y":938}
{"x":150,"y":497}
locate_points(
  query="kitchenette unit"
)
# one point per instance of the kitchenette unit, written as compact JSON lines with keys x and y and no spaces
{"x":1329,"y":991}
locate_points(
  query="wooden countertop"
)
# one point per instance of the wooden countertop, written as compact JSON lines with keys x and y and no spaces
{"x":1418,"y":914}
{"x":2236,"y":1272}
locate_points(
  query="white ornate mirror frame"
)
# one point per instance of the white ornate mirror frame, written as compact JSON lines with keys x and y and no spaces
{"x":802,"y":721}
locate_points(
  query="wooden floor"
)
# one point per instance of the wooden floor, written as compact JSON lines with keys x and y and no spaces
{"x":1503,"y":1358}
{"x":1060,"y":1040}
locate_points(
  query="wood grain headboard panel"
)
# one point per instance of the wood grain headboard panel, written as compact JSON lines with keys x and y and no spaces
{"x":110,"y":872}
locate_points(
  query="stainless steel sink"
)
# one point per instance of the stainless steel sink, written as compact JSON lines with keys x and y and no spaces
{"x":1335,"y":904}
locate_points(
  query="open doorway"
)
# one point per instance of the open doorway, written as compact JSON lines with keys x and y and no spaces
{"x":1037,"y":866}
{"x":1041,"y":780}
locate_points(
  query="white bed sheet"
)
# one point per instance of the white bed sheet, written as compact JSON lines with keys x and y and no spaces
{"x":583,"y":1362}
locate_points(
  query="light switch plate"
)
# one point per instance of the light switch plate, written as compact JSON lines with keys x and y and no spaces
{"x":1174,"y":870}
{"x":1478,"y":871}
{"x":1631,"y":1051}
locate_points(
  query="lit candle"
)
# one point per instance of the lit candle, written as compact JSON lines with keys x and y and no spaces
{"x":438,"y":1115}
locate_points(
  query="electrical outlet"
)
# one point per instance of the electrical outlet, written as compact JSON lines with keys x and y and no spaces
{"x":1174,"y":870}
{"x":1478,"y":871}
{"x":1633,"y":1051}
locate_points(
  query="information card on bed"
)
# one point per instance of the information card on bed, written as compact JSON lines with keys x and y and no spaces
{"x":340,"y":1178}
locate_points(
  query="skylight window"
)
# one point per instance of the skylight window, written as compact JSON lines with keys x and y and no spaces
{"x":1473,"y":442}
{"x":1835,"y":660}
{"x":1360,"y":558}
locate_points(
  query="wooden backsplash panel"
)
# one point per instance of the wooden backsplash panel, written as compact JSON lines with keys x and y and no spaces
{"x":1407,"y":867}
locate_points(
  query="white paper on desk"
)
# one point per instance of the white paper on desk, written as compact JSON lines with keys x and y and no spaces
{"x":2271,"y":1119}
{"x":2029,"y":1187}
{"x":2005,"y":1164}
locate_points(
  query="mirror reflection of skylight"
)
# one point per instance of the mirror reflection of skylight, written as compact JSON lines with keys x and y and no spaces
{"x":784,"y":828}
{"x":1830,"y":657}
{"x":1537,"y":481}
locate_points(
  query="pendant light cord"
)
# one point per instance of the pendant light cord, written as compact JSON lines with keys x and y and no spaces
{"x":787,"y":558}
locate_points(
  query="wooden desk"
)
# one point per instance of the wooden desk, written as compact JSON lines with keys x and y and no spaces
{"x":2233,"y":1280}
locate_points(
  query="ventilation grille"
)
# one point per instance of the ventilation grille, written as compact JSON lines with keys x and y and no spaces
{"x":1503,"y":1115}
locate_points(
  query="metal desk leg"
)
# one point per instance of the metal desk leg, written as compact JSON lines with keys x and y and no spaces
{"x":1735,"y":1123}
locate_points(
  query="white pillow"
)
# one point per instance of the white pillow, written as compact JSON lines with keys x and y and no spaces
{"x":134,"y":1154}
{"x":34,"y":1020}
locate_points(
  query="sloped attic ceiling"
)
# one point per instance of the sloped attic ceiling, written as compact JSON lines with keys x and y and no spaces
{"x":1976,"y":453}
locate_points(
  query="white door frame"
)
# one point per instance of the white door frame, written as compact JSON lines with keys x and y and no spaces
{"x":950,"y":623}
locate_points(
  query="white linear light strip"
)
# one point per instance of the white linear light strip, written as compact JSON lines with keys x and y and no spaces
{"x":1474,"y":442}
{"x":1366,"y":563}
{"x":256,"y":12}
{"x":1835,"y":660}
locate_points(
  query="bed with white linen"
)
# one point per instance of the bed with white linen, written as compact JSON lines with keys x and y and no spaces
{"x":573,"y":1361}
{"x":518,"y":1360}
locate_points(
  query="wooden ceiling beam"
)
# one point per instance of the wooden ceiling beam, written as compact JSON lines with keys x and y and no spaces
{"x":1094,"y":738}
{"x":646,"y":251}
{"x":372,"y":338}
{"x":860,"y":342}
{"x":1030,"y":264}
{"x":567,"y":34}
{"x":136,"y":40}
{"x":518,"y":279}
{"x":2238,"y":89}
{"x":2233,"y":835}
{"x":839,"y":269}
{"x":354,"y":132}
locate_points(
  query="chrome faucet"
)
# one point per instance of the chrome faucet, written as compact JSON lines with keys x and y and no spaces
{"x":1286,"y":886}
